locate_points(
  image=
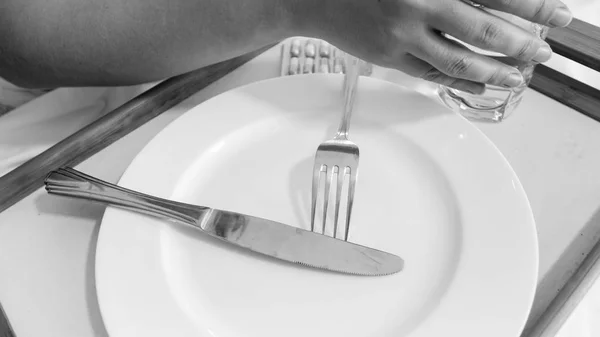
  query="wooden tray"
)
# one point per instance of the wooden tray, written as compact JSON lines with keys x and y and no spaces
{"x":580,"y":42}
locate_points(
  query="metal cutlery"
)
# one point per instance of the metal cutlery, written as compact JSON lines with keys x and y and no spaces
{"x":337,"y":158}
{"x":255,"y":234}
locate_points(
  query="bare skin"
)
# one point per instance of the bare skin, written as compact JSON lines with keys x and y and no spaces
{"x":53,"y":43}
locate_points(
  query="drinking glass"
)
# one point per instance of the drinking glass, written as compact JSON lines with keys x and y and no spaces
{"x":496,"y":103}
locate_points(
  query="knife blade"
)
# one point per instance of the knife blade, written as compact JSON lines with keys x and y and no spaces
{"x":256,"y":234}
{"x":298,"y":245}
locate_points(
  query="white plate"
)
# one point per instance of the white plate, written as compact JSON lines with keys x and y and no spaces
{"x":431,"y":189}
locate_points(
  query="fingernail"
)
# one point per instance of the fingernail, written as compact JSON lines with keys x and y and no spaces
{"x":470,"y":87}
{"x":561,"y":17}
{"x":543,"y":54}
{"x":513,"y":80}
{"x":467,"y":89}
{"x":475,"y":90}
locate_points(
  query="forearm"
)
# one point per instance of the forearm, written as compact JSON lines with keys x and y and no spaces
{"x":122,"y":42}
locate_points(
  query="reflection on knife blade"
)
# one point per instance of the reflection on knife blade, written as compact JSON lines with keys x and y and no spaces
{"x":297,"y":245}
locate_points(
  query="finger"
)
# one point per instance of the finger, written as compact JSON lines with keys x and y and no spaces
{"x":489,"y":32}
{"x":552,"y":13}
{"x":510,"y":61}
{"x":459,"y":62}
{"x":416,"y":67}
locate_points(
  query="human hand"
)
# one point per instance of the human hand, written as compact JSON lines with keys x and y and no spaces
{"x":407,"y":35}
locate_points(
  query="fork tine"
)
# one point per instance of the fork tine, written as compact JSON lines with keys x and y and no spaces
{"x":326,"y":195}
{"x":315,"y":190}
{"x":338,"y":192}
{"x":318,"y":169}
{"x":352,"y":182}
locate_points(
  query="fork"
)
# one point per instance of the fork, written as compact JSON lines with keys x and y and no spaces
{"x":338,"y":157}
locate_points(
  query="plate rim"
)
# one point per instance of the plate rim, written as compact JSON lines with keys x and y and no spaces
{"x":177,"y":121}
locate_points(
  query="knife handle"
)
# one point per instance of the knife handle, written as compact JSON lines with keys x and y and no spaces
{"x":72,"y":183}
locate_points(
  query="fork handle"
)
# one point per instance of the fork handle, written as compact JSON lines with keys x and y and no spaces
{"x":72,"y":183}
{"x":350,"y":83}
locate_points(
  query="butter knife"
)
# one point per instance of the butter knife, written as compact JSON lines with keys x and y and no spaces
{"x":256,"y":234}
